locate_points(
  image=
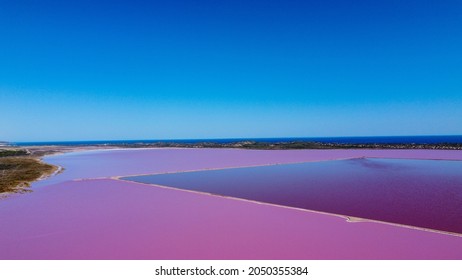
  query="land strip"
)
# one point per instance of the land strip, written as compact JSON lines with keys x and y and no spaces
{"x":18,"y":168}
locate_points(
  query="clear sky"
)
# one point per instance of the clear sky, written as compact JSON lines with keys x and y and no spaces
{"x":88,"y":70}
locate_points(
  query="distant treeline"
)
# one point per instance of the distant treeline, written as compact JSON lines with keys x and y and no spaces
{"x":9,"y":153}
{"x":293,"y":145}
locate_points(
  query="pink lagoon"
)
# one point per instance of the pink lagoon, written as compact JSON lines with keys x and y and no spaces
{"x":88,"y":212}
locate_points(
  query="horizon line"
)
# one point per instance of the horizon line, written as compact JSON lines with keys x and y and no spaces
{"x":232,"y":138}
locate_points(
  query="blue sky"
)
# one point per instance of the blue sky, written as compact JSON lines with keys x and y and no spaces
{"x":87,"y":70}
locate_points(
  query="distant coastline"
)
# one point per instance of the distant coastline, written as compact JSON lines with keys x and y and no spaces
{"x":355,"y":140}
{"x":449,"y":142}
{"x":24,"y":158}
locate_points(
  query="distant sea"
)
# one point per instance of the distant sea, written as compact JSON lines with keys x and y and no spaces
{"x":339,"y":140}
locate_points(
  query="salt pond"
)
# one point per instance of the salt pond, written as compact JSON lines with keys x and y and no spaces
{"x":421,"y":193}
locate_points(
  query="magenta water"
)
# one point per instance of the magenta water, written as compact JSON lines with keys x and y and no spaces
{"x":71,"y":216}
{"x":114,"y":219}
{"x":422,"y":193}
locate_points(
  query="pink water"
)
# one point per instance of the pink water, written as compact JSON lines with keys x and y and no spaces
{"x":420,"y":193}
{"x":112,"y":219}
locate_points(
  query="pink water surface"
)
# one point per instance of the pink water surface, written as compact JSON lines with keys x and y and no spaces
{"x":421,"y":193}
{"x":112,"y":219}
{"x":105,"y":163}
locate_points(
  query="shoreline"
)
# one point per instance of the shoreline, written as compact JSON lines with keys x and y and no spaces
{"x":295,"y":144}
{"x":19,"y":172}
{"x":40,"y":152}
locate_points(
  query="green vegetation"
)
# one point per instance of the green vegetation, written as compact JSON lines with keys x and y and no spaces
{"x":16,"y":173}
{"x":9,"y":153}
{"x":291,"y":145}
